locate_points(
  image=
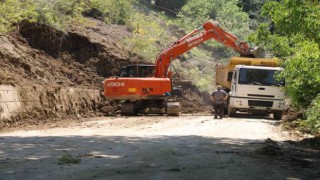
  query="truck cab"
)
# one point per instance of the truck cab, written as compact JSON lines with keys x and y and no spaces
{"x":252,"y":86}
{"x":256,"y":89}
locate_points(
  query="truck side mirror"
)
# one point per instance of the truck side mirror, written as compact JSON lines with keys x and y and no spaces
{"x":230,"y":76}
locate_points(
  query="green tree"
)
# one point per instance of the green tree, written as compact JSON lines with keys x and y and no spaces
{"x":293,"y":33}
{"x":12,"y":12}
{"x":61,"y":13}
{"x":112,"y":11}
{"x":312,"y":124}
{"x":148,"y":38}
{"x":197,"y":11}
{"x":175,"y":6}
{"x":253,"y":8}
{"x":233,"y":19}
{"x":229,"y":15}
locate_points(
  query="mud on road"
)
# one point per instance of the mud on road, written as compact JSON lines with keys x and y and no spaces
{"x":156,"y":147}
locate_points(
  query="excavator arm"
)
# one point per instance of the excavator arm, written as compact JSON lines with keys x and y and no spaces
{"x":209,"y":30}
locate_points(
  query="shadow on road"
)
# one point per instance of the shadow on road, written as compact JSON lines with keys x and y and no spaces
{"x":120,"y":157}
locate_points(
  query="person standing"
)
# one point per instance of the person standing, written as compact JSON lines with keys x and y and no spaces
{"x":218,"y":98}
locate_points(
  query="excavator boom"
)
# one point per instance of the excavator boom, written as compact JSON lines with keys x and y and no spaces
{"x":211,"y":30}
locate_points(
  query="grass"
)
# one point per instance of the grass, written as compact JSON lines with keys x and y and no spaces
{"x":68,"y":159}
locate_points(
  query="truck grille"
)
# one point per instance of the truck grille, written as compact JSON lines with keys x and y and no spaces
{"x":260,"y":95}
{"x":260,"y":103}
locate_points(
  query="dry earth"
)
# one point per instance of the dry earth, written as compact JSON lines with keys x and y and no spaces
{"x":157,"y":147}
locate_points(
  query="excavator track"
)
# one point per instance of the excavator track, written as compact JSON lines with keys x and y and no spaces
{"x":127,"y":109}
{"x":173,"y":109}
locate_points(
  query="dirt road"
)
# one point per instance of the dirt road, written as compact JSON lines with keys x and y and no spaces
{"x":151,"y":147}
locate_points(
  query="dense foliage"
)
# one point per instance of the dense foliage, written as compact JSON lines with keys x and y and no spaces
{"x":148,"y":36}
{"x":111,"y":11}
{"x":227,"y":13}
{"x":253,"y":8}
{"x":172,"y":6}
{"x":293,"y":33}
{"x":312,"y":123}
{"x":13,"y":12}
{"x":61,"y":13}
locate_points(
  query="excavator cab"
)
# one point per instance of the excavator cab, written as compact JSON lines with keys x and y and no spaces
{"x":137,"y":70}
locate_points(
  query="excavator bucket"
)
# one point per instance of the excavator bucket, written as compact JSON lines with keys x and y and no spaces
{"x":257,"y":52}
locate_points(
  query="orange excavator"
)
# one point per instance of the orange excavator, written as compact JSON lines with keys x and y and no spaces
{"x":145,"y":88}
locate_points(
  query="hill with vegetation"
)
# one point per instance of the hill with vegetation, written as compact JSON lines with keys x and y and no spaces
{"x":71,"y":32}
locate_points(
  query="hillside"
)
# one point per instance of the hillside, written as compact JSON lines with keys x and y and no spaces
{"x":60,"y":75}
{"x":54,"y":53}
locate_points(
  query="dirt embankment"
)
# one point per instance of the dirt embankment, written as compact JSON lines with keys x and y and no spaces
{"x":60,"y":75}
{"x":194,"y":101}
{"x":57,"y":74}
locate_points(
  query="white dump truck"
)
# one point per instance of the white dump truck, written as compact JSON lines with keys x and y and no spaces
{"x":252,"y":86}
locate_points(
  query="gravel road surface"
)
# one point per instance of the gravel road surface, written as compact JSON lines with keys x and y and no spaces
{"x":151,"y":147}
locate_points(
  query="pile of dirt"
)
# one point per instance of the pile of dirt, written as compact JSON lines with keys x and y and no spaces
{"x":50,"y":68}
{"x":313,"y":143}
{"x":39,"y":54}
{"x":194,"y":101}
{"x":291,"y":114}
{"x":305,"y":152}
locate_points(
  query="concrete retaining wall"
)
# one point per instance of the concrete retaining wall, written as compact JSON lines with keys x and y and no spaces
{"x":46,"y":102}
{"x":10,"y":101}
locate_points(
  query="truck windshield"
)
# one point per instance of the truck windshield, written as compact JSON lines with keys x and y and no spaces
{"x":259,"y":77}
{"x":137,"y":71}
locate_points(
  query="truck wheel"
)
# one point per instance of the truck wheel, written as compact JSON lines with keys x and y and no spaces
{"x":277,"y":115}
{"x":225,"y":110}
{"x":231,"y":112}
{"x":174,"y":114}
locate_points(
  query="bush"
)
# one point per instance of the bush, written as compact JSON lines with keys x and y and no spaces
{"x":61,"y":13}
{"x":111,"y":11}
{"x":169,"y":4}
{"x":313,"y":116}
{"x":229,"y":15}
{"x":68,"y":159}
{"x":290,"y":37}
{"x":149,"y":38}
{"x":14,"y":11}
{"x":302,"y":74}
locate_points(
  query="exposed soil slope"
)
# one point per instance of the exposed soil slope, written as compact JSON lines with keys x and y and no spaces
{"x":45,"y":64}
{"x":45,"y":56}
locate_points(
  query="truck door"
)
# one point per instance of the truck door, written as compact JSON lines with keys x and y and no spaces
{"x":234,"y":82}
